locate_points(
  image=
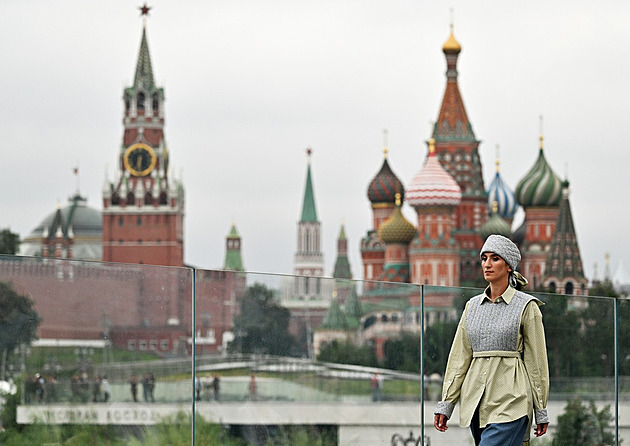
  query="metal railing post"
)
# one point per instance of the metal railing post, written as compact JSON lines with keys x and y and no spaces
{"x":616,"y":325}
{"x":422,"y":395}
{"x":194,"y":353}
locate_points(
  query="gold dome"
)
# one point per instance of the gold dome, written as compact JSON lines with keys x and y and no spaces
{"x":397,"y":229}
{"x":451,"y":46}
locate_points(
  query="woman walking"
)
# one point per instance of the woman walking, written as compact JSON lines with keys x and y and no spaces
{"x":497,"y":367}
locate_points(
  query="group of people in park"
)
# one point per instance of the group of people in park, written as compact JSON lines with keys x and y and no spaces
{"x":148,"y":387}
{"x":207,"y":388}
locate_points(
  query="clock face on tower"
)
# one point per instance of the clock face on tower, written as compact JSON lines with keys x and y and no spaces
{"x":139,"y":159}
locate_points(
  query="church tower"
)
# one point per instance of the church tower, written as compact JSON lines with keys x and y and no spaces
{"x":381,"y":192}
{"x":564,"y":273}
{"x":435,"y":196}
{"x":457,"y":150}
{"x":396,"y":232}
{"x":233,"y":257}
{"x":309,"y":259}
{"x":143,"y":208}
{"x":342,"y":264}
{"x":540,"y":193}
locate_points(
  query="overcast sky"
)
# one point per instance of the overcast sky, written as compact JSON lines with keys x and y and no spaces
{"x":250,"y":84}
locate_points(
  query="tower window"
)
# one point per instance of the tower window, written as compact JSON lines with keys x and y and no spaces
{"x":121,"y":221}
{"x":568,"y":288}
{"x":140,"y":101}
{"x":139,"y":222}
{"x":155,"y":103}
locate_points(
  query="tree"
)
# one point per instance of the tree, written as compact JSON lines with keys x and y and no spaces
{"x":582,"y":425}
{"x":348,"y":353}
{"x":599,"y":330}
{"x":437,"y":345}
{"x":563,"y":337}
{"x":403,"y":353}
{"x":9,"y":242}
{"x":18,"y":322}
{"x":262,"y":325}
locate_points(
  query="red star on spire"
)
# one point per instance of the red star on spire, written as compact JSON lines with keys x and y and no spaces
{"x":144,"y":9}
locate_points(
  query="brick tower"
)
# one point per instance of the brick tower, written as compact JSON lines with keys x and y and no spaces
{"x":457,"y":149}
{"x":143,"y":209}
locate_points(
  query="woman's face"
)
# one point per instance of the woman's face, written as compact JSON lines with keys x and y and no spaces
{"x":495,"y":269}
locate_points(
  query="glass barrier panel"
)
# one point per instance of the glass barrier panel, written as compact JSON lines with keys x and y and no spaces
{"x":443,"y":307}
{"x":580,"y":334}
{"x":283,"y":358}
{"x":580,"y":344}
{"x":99,"y":347}
{"x":88,"y":343}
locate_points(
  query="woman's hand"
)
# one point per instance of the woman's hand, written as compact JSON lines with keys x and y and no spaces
{"x":440,"y":421}
{"x":540,"y":429}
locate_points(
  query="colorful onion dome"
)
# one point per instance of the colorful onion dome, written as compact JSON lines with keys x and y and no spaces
{"x":397,"y":229}
{"x":433,"y":185}
{"x":495,"y":225}
{"x":501,"y":194}
{"x":541,"y":186}
{"x":385,"y":185}
{"x":451,"y":46}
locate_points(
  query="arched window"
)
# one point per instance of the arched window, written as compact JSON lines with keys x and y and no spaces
{"x":148,"y":198}
{"x":140,"y":101}
{"x":552,"y":287}
{"x":131,"y":199}
{"x":568,"y":288}
{"x":155,"y":103}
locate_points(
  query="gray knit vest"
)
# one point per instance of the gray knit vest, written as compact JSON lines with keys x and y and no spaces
{"x":495,"y":326}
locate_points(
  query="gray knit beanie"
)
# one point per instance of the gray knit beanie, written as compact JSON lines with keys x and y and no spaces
{"x":504,"y":247}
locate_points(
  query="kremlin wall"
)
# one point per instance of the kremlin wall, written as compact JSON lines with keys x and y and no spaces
{"x":141,"y":298}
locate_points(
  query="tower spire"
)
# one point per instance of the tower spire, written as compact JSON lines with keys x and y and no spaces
{"x":309,"y":212}
{"x":452,"y":122}
{"x":144,"y":70}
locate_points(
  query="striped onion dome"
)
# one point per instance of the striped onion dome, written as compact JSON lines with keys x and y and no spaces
{"x":500,"y":193}
{"x":433,"y":185}
{"x":385,"y":185}
{"x":495,"y":225}
{"x":397,"y":229}
{"x":541,"y":186}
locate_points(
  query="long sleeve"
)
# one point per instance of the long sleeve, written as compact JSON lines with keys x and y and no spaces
{"x":458,"y":363}
{"x":535,"y":359}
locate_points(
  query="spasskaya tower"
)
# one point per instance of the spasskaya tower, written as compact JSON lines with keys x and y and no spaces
{"x":143,"y":207}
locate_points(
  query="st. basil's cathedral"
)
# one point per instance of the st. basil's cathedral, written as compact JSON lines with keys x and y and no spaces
{"x":456,"y":213}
